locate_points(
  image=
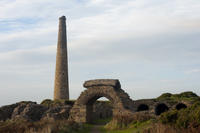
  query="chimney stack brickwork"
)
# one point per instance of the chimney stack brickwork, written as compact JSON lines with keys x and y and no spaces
{"x":61,"y":85}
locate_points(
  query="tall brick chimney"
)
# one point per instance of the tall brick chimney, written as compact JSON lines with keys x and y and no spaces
{"x":61,"y":85}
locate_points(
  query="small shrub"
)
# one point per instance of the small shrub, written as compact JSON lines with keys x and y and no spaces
{"x":47,"y":102}
{"x":188,"y":94}
{"x":169,"y":117}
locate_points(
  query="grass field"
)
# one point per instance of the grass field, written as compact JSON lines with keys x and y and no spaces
{"x":137,"y":127}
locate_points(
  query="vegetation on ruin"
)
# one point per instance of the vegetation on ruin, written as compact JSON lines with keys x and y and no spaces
{"x":52,"y":103}
{"x":185,"y":96}
{"x":184,"y":118}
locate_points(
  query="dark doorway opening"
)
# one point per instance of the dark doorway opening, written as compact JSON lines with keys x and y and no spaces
{"x":142,"y":107}
{"x":180,"y":106}
{"x":99,"y":112}
{"x":160,"y":108}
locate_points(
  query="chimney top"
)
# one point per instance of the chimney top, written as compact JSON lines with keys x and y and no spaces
{"x":62,"y":18}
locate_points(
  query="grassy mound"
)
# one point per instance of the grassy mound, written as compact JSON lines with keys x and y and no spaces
{"x":175,"y":98}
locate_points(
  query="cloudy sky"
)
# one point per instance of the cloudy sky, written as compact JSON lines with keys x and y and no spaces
{"x":151,"y":46}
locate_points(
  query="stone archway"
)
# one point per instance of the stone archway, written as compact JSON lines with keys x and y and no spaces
{"x":161,"y":108}
{"x":109,"y":88}
{"x":180,"y":106}
{"x":142,"y":107}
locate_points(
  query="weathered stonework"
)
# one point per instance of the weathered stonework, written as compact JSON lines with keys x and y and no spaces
{"x":29,"y":112}
{"x":82,"y":110}
{"x":102,"y":82}
{"x":57,"y":113}
{"x":61,"y":86}
{"x":102,"y":110}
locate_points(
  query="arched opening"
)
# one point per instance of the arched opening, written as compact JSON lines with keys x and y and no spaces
{"x":99,"y":110}
{"x":142,"y":107}
{"x":180,"y":106}
{"x":160,"y":108}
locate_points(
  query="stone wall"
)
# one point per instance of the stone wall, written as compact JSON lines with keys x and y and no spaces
{"x":31,"y":111}
{"x":102,"y":109}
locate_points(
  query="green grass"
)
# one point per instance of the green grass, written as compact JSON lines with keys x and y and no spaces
{"x":85,"y":128}
{"x":137,"y":127}
{"x":102,"y":121}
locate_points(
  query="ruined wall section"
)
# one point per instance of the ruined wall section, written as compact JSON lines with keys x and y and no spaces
{"x":111,"y":89}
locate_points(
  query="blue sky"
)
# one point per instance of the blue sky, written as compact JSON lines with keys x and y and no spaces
{"x":151,"y":46}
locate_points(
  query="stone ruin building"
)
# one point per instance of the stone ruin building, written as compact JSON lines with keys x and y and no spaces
{"x":85,"y":108}
{"x":82,"y":110}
